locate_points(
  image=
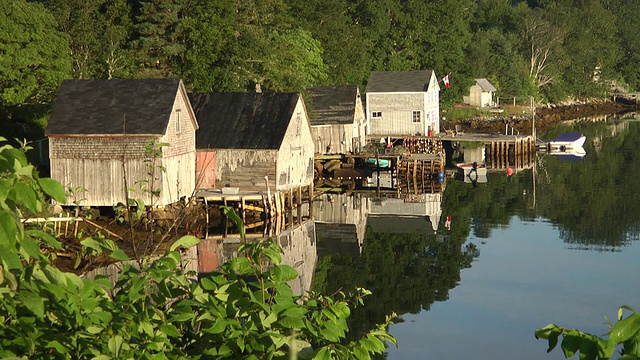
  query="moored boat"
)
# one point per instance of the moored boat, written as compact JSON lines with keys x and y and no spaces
{"x":567,"y":141}
{"x":381,"y":163}
{"x":576,"y":153}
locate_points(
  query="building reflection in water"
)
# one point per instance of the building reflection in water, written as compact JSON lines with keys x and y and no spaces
{"x":415,"y":213}
{"x":298,"y":244}
{"x":340,"y":220}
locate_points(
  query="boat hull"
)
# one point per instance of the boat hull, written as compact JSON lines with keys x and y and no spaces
{"x":567,"y":142}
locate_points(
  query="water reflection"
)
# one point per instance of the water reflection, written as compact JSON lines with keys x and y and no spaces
{"x":549,"y":234}
{"x":340,"y":222}
{"x":593,"y":201}
{"x":411,"y":260}
{"x":299,"y":251}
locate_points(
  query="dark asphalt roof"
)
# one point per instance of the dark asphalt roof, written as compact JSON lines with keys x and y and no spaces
{"x":242,"y":120}
{"x":332,"y":104}
{"x":399,"y":81}
{"x":133,"y":106}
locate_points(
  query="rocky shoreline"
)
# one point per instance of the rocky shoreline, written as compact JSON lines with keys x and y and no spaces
{"x":547,"y":116}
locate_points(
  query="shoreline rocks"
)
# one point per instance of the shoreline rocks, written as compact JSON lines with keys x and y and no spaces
{"x":547,"y":116}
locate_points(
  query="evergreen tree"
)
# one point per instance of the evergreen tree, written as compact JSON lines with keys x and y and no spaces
{"x":160,"y":41}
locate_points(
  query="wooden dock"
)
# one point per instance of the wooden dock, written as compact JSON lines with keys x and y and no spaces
{"x":263,"y":213}
{"x":501,"y":151}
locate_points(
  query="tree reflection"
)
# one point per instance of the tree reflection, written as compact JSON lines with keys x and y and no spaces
{"x":594,"y":201}
{"x":405,"y":272}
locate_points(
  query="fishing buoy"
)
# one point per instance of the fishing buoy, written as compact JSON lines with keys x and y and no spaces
{"x":441,"y":177}
{"x":509,"y":171}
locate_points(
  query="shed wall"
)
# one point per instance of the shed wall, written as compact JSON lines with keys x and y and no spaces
{"x":180,"y":156}
{"x":245,"y":169}
{"x":397,"y":111}
{"x":99,"y":165}
{"x":480,"y":98}
{"x":360,"y":122}
{"x":339,"y":136}
{"x":295,"y":156}
{"x":178,"y":177}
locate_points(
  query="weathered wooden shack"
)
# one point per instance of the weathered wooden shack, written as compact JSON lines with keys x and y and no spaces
{"x":244,"y":137}
{"x":338,"y":121}
{"x":100,"y":133}
{"x":403,"y":103}
{"x":480,"y":94}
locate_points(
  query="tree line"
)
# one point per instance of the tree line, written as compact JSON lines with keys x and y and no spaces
{"x":549,"y":49}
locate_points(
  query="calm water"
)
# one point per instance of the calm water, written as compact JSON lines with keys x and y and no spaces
{"x":556,"y":243}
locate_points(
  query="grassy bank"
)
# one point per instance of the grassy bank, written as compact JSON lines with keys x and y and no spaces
{"x":468,"y":112}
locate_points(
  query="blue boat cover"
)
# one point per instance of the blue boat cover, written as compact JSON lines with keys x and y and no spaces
{"x":568,"y":137}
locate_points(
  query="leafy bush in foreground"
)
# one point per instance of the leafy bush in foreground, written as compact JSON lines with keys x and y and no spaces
{"x":245,"y":310}
{"x":625,"y":335}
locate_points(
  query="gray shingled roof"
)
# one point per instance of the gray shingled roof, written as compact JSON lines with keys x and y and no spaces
{"x":332,"y":104}
{"x":399,"y":81}
{"x":485,"y":85}
{"x":143,"y":106}
{"x":242,"y":120}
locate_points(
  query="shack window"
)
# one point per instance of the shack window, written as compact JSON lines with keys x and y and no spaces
{"x":376,"y":114}
{"x":178,"y":125}
{"x":417,"y":116}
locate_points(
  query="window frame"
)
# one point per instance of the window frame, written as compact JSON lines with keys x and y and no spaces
{"x":413,"y":116}
{"x":178,"y":122}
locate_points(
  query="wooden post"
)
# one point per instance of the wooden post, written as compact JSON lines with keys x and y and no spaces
{"x":269,"y":204}
{"x":311,"y":201}
{"x":299,"y":204}
{"x":243,"y":210}
{"x":533,"y":119}
{"x":278,"y":211}
{"x":267,"y":218}
{"x":290,"y":208}
{"x":206,"y":217}
{"x":225,"y":221}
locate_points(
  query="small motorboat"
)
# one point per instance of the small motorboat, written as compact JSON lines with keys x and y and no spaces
{"x":576,"y":153}
{"x":566,"y":141}
{"x":380,"y":163}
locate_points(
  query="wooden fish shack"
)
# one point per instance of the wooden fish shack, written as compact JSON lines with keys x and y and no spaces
{"x":253,"y":141}
{"x":105,"y":139}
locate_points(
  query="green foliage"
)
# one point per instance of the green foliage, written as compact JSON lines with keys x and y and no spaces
{"x":159,"y":36}
{"x":156,"y":310}
{"x":35,"y":56}
{"x":623,"y":338}
{"x":463,"y":113}
{"x":552,"y":50}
